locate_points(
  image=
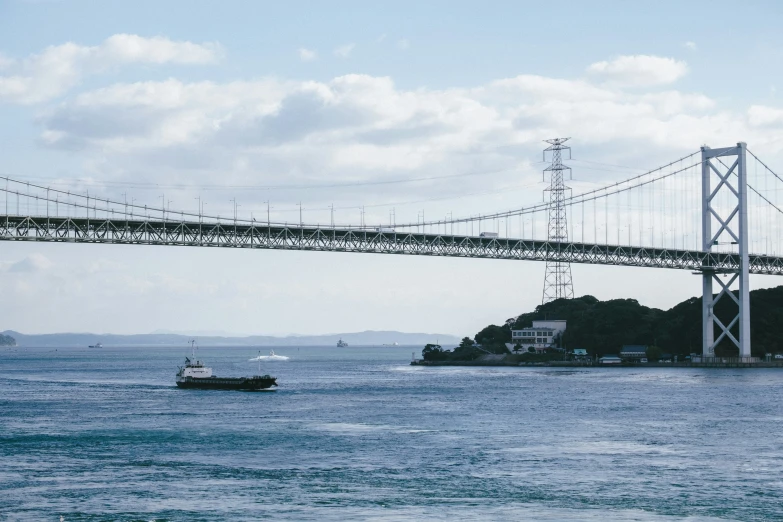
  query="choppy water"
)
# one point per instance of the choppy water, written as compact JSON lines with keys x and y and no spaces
{"x":357,"y":433}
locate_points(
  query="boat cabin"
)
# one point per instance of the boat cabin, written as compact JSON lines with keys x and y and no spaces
{"x":194,"y":369}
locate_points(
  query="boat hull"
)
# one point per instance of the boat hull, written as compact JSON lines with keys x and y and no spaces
{"x":228,"y":383}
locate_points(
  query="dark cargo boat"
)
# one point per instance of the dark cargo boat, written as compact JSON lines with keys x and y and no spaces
{"x":195,"y":375}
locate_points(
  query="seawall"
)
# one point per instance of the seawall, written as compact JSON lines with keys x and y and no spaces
{"x":504,"y":360}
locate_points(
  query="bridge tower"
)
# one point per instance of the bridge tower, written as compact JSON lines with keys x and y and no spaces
{"x":730,"y":166}
{"x":557,"y":281}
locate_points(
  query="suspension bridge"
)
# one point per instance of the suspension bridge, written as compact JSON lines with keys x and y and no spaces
{"x":716,"y":211}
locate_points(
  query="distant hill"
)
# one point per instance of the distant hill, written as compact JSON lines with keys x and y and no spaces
{"x":357,"y":338}
{"x":7,"y":340}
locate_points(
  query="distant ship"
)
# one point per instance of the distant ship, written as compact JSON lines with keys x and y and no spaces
{"x":195,"y":375}
{"x":96,"y":345}
{"x":341,"y":344}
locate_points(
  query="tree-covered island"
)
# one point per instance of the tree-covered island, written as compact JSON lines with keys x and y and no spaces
{"x":604,"y":327}
{"x":7,"y":340}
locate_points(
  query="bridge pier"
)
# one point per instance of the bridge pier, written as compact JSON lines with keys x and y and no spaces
{"x":732,"y":225}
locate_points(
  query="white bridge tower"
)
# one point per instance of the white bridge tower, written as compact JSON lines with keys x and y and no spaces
{"x":727,"y":166}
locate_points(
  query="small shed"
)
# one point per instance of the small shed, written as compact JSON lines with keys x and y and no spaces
{"x":610,"y":359}
{"x":580,"y":354}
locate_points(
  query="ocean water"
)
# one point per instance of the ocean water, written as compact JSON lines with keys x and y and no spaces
{"x":358,"y":434}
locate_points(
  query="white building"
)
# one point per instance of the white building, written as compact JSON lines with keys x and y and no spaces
{"x":540,"y":336}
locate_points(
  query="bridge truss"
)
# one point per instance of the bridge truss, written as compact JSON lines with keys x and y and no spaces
{"x":285,"y":237}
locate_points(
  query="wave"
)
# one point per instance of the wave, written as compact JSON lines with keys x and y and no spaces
{"x":270,"y":357}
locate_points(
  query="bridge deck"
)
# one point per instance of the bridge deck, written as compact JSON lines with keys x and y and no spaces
{"x":291,"y":237}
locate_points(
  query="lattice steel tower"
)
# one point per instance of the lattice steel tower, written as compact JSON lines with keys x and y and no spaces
{"x":557,"y":282}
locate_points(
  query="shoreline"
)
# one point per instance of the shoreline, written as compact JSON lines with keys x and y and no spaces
{"x":504,"y":361}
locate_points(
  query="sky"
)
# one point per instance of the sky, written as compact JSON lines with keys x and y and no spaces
{"x":310,"y":105}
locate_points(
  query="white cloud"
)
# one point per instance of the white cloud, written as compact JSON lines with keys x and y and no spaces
{"x":30,"y":264}
{"x":403,"y":44}
{"x":762,"y":116}
{"x":306,"y":55}
{"x":691,"y":45}
{"x":5,"y":61}
{"x":129,"y":48}
{"x":366,"y":122}
{"x":344,"y":51}
{"x":56,"y":69}
{"x":639,"y":70}
{"x":360,"y":127}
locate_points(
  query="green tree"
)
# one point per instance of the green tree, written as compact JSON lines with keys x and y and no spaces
{"x":653,"y":353}
{"x":432,"y":352}
{"x":466,"y":351}
{"x":493,"y":338}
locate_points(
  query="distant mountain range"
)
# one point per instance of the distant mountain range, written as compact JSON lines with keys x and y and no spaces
{"x":164,"y":339}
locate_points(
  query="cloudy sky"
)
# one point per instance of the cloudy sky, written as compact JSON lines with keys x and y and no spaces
{"x":317,"y":103}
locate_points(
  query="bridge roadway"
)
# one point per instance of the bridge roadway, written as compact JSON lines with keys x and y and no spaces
{"x":367,"y":240}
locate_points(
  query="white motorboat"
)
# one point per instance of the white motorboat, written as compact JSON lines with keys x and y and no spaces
{"x":271,"y":357}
